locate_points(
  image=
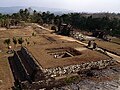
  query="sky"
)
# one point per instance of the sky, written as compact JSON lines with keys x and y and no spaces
{"x":74,"y":5}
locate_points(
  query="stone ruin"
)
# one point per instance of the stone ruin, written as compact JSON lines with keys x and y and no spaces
{"x":63,"y":52}
{"x":30,"y":75}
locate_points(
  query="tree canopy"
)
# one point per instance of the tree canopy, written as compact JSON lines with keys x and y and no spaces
{"x":83,"y":22}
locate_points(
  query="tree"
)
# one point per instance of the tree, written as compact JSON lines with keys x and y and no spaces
{"x":7,"y":22}
{"x":20,"y":41}
{"x":36,"y":18}
{"x":24,"y":14}
{"x":51,"y":18}
{"x":14,"y":41}
{"x":57,"y":20}
{"x":7,"y":41}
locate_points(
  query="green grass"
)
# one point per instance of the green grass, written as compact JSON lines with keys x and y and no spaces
{"x":69,"y":80}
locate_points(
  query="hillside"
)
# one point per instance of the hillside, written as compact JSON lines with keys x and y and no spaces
{"x":14,"y":9}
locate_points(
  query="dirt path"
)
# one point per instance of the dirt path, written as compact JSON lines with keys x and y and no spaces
{"x":42,"y":27}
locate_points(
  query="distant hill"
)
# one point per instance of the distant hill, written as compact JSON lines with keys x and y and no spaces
{"x":101,"y":15}
{"x":10,"y":10}
{"x":56,"y":11}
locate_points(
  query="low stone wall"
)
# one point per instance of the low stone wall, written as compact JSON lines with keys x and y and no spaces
{"x":59,"y":71}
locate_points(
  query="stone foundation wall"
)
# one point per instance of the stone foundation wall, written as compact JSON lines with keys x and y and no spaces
{"x":59,"y":71}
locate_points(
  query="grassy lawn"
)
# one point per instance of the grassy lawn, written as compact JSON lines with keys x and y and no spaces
{"x":116,"y":40}
{"x":6,"y":77}
{"x":6,"y":80}
{"x":109,"y":46}
{"x":112,"y":47}
{"x":16,"y":32}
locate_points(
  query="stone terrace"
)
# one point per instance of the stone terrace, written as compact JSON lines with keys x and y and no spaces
{"x":45,"y":55}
